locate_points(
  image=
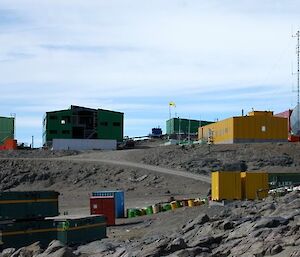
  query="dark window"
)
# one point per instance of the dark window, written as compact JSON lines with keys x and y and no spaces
{"x":52,"y":117}
{"x":104,"y":123}
{"x":53,"y":131}
{"x":116,"y":124}
{"x":67,"y":119}
{"x":66,"y":131}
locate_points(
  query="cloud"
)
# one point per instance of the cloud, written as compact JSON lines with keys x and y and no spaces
{"x":211,"y":58}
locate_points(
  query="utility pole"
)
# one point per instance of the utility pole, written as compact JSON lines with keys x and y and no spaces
{"x":297,"y":35}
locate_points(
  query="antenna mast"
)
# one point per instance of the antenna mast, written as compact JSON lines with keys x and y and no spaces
{"x":297,"y":35}
{"x":298,"y":70}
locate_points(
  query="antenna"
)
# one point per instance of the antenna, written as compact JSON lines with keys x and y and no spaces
{"x":297,"y":35}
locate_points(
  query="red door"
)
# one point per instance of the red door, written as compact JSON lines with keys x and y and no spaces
{"x":104,"y":206}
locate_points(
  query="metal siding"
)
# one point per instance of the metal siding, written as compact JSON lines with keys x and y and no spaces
{"x":19,"y":234}
{"x":110,"y":131}
{"x":6,"y":128}
{"x":72,"y":231}
{"x":250,"y":128}
{"x":31,"y":204}
{"x":283,"y":179}
{"x":119,"y":200}
{"x":84,"y":144}
{"x":104,"y":206}
{"x":254,"y":181}
{"x":172,"y":126}
{"x":222,"y":131}
{"x":226,"y":185}
{"x":55,"y":124}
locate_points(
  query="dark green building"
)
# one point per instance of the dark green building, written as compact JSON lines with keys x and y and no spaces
{"x":7,"y":128}
{"x":181,"y":126}
{"x":82,"y":123}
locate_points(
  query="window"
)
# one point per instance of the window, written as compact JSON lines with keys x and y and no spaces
{"x":63,"y":122}
{"x":66,"y":132}
{"x":52,"y":117}
{"x":104,"y":123}
{"x":116,"y":124}
{"x":263,"y":128}
{"x":53,"y":131}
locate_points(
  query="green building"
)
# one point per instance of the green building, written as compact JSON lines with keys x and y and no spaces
{"x":7,"y":128}
{"x":82,"y":123}
{"x":185,"y":126}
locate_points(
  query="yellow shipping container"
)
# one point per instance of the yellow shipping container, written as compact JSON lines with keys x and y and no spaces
{"x":258,"y":126}
{"x":226,"y":185}
{"x":254,"y":185}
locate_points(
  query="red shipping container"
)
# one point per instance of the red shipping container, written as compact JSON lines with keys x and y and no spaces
{"x":105,"y":206}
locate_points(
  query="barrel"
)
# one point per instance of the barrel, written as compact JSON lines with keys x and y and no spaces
{"x":155,"y":208}
{"x":167,"y":207}
{"x":191,"y":203}
{"x":179,"y":204}
{"x":131,"y":213}
{"x":174,"y":205}
{"x":149,"y":210}
{"x":138,"y":212}
{"x":143,"y":211}
{"x":185,"y":203}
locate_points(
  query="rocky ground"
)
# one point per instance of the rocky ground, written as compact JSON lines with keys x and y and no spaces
{"x":259,"y":228}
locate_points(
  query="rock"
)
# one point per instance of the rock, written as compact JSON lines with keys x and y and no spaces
{"x":53,"y":247}
{"x":226,"y":225}
{"x":28,"y":251}
{"x":191,"y":252}
{"x":200,"y":220}
{"x":8,"y":252}
{"x":271,"y":222}
{"x":176,"y":245}
{"x":276,"y":249}
{"x":97,"y":247}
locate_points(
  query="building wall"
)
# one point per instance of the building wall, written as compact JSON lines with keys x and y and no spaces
{"x":172,"y":126}
{"x":260,"y":129}
{"x":7,"y":128}
{"x":110,"y":125}
{"x":84,"y":144}
{"x":57,"y":125}
{"x":257,"y":127}
{"x":221,"y":132}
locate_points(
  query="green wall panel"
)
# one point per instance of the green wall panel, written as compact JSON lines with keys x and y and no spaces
{"x":6,"y":129}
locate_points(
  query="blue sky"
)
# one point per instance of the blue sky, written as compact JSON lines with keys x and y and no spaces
{"x":212,"y":58}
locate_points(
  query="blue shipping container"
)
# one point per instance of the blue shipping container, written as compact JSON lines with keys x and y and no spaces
{"x":119,"y":200}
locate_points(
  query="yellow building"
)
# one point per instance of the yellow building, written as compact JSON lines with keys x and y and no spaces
{"x":257,"y":126}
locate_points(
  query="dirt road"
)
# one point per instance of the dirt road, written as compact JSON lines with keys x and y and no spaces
{"x":153,"y":168}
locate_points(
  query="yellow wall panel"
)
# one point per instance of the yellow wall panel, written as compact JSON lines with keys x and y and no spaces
{"x":226,"y":185}
{"x":255,"y":185}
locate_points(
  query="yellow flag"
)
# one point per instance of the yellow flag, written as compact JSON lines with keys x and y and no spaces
{"x":172,"y":104}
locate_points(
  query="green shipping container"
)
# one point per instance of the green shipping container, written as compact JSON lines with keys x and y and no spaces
{"x":74,"y":229}
{"x":19,"y":234}
{"x":7,"y":128}
{"x":185,"y":126}
{"x":16,"y":205}
{"x":283,"y":179}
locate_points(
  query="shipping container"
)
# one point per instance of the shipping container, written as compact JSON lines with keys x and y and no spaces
{"x":283,"y":179}
{"x":119,"y":200}
{"x":73,"y":230}
{"x":226,"y":185}
{"x":255,"y":127}
{"x":19,"y":234}
{"x":254,"y":185}
{"x":16,"y":205}
{"x":7,"y":128}
{"x":104,"y":205}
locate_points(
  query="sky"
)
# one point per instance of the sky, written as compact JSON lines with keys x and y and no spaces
{"x":212,"y":58}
